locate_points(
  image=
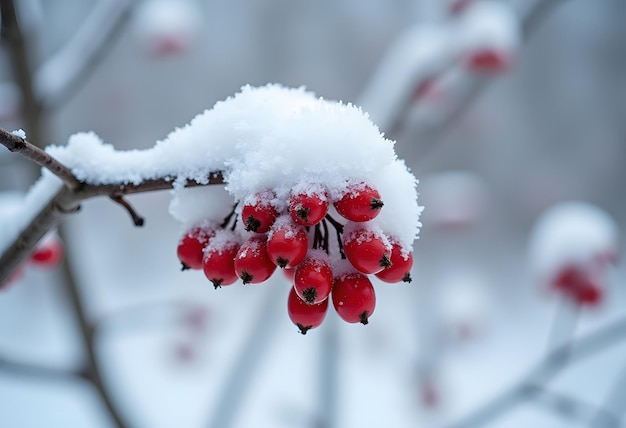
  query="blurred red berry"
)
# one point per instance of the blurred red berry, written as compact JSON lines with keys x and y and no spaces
{"x":48,"y":253}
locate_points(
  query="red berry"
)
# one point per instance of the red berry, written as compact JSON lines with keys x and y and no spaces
{"x":287,"y":243}
{"x":353,"y":297}
{"x":400,"y":269}
{"x":48,"y":253}
{"x":190,"y":249}
{"x":219,"y":259}
{"x":489,"y":61}
{"x":304,"y":315}
{"x":588,"y":294}
{"x":568,"y":278}
{"x":258,"y":212}
{"x":308,"y":208}
{"x":367,"y":250}
{"x":313,"y":278}
{"x":252,"y":264}
{"x":360,"y":203}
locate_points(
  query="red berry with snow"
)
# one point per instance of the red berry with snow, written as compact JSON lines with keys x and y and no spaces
{"x":287,"y":243}
{"x":252,"y":264}
{"x":258,"y":213}
{"x":48,"y":253}
{"x":308,"y":208}
{"x":401,"y":264}
{"x":313,"y":278}
{"x":360,"y":203}
{"x":353,"y":297}
{"x":219,"y":259}
{"x":366,"y":249}
{"x":190,"y":249}
{"x":304,"y":315}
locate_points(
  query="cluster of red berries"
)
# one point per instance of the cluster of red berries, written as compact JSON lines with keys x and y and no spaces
{"x":47,"y":255}
{"x":298,"y":240}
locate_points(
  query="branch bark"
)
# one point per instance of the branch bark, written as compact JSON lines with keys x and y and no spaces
{"x":67,"y":200}
{"x":553,"y":363}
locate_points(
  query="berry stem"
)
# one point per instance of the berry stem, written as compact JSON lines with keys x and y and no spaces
{"x":339,"y":230}
{"x":119,"y":199}
{"x":230,"y":215}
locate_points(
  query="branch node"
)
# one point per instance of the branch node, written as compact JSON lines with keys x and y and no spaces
{"x":62,"y":210}
{"x":119,"y":199}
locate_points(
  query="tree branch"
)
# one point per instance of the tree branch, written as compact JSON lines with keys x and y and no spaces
{"x":67,"y":200}
{"x":474,"y":84}
{"x":88,"y":339}
{"x":553,"y":363}
{"x":35,"y":154}
{"x":59,"y":77}
{"x":22,"y":71}
{"x":40,"y":371}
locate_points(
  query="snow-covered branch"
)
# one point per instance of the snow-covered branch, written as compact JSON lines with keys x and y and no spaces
{"x":55,"y":196}
{"x":18,"y":144}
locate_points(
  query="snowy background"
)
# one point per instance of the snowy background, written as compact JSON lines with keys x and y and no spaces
{"x":176,"y":353}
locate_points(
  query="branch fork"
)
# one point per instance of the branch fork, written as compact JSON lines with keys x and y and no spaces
{"x":67,"y":200}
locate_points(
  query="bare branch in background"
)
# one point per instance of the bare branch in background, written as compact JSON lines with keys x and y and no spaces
{"x":60,"y":76}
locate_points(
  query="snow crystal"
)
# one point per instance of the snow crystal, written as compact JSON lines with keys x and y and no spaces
{"x":270,"y":137}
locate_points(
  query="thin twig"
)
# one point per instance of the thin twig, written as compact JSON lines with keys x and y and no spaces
{"x":119,"y":199}
{"x":572,"y":408}
{"x":67,"y":201}
{"x":33,"y":153}
{"x":60,"y":76}
{"x":22,"y":70}
{"x":87,"y":331}
{"x":610,"y":335}
{"x":38,"y":371}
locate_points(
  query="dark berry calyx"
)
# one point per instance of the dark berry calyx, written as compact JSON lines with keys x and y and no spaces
{"x":281,"y":263}
{"x":246,"y":277}
{"x":217,"y":283}
{"x":303,"y":214}
{"x":309,"y":295}
{"x":252,"y":224}
{"x":385,"y":262}
{"x":376,"y":204}
{"x":407,"y":278}
{"x":184,"y":267}
{"x":303,"y":329}
{"x":363,"y":317}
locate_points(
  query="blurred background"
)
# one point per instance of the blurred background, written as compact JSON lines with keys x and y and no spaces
{"x":493,"y":150}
